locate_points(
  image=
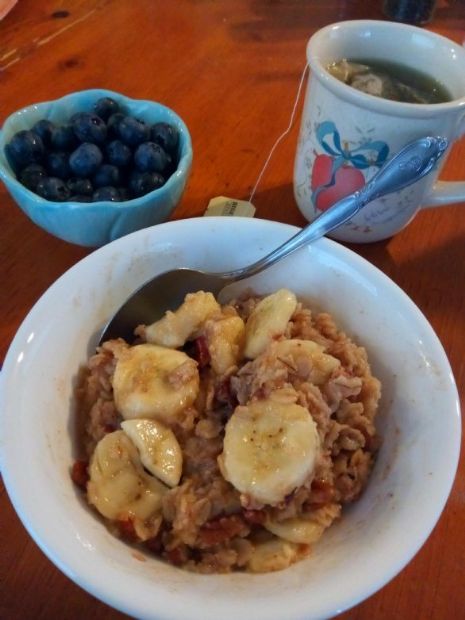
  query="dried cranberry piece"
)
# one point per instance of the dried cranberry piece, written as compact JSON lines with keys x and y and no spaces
{"x":201,"y":352}
{"x":80,"y":474}
{"x":221,"y":529}
{"x":127,"y":530}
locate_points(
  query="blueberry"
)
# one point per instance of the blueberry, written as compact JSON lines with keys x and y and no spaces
{"x":133,"y":131}
{"x":85,"y":160}
{"x":63,"y":138}
{"x":106,"y":175}
{"x":113,"y":124}
{"x":80,"y":187}
{"x":80,"y":198}
{"x":53,"y":189}
{"x":106,"y":193}
{"x":141,"y":183}
{"x":166,"y":136}
{"x":44,"y":129}
{"x":31,"y":175}
{"x":124,"y":194}
{"x":89,"y":128}
{"x":58,"y":164}
{"x":170,"y":169}
{"x":150,"y":157}
{"x":24,"y":148}
{"x":105,"y":107}
{"x":118,"y":154}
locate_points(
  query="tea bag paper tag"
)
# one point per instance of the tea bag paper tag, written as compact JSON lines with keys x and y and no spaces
{"x":221,"y":205}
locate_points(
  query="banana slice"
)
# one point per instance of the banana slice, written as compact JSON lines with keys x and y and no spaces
{"x":320,"y":364}
{"x":296,"y":530}
{"x":269,"y":449}
{"x":225,"y":342}
{"x":154,"y":382}
{"x":275,"y":555}
{"x":118,"y":486}
{"x":175,"y":328}
{"x":268,"y":320}
{"x":305,"y":530}
{"x":158,"y":447}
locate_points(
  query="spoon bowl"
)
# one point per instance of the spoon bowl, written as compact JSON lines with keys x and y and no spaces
{"x":167,"y":290}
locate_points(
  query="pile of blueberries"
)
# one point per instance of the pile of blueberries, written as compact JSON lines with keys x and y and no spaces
{"x":100,"y":155}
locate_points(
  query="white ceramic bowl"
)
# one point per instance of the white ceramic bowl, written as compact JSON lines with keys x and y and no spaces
{"x":376,"y":537}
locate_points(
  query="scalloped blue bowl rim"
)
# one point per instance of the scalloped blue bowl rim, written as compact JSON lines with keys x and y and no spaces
{"x":9,"y":178}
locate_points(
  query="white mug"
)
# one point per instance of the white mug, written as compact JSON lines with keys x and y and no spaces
{"x":346,"y":135}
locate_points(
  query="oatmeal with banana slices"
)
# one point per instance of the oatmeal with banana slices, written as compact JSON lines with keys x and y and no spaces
{"x":227,"y":437}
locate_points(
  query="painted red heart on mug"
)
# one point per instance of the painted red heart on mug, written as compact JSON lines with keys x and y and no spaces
{"x":346,"y":181}
{"x":322,"y":171}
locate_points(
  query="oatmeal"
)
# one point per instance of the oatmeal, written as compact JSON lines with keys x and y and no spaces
{"x":228,"y":437}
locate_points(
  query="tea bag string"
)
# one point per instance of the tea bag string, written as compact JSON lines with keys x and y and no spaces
{"x":283,"y":135}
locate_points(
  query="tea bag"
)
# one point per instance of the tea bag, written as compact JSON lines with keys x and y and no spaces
{"x":369,"y":83}
{"x":376,"y":82}
{"x":411,"y":95}
{"x":345,"y":71}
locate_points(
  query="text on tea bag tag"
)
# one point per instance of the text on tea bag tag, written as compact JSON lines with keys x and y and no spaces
{"x":221,"y":205}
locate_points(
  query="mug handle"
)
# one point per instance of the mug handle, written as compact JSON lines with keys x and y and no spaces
{"x":447,"y":192}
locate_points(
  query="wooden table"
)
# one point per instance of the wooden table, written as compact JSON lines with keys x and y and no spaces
{"x":230,"y":68}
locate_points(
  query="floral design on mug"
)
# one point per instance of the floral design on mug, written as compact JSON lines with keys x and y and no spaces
{"x":336,"y":173}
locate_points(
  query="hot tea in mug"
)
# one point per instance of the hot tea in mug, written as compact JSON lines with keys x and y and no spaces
{"x":375,"y":86}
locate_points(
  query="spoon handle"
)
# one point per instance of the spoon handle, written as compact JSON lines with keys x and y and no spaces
{"x":409,"y":165}
{"x":338,"y":214}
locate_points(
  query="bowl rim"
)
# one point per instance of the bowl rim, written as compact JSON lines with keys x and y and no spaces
{"x":185,"y":161}
{"x":117,"y":599}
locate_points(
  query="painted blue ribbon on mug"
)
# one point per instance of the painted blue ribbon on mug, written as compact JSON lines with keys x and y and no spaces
{"x":358,"y":157}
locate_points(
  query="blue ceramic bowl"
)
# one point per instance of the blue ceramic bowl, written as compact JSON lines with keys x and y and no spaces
{"x":97,"y":223}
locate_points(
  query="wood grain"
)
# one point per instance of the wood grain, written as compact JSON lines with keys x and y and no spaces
{"x":230,"y":68}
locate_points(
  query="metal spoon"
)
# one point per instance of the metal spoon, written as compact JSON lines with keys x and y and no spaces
{"x":167,"y":290}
